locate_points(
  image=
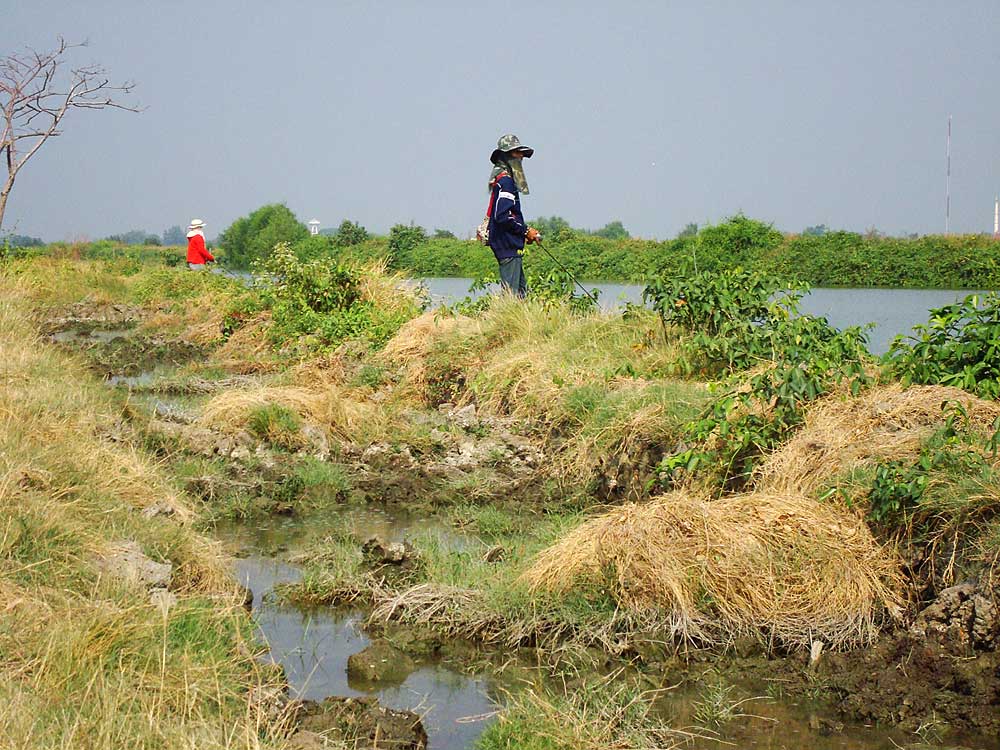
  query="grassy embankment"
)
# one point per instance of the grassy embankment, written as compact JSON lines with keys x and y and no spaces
{"x":781,"y":502}
{"x":86,"y":659}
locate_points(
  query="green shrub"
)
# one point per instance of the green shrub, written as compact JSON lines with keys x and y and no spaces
{"x":350,"y":233}
{"x":402,"y":240}
{"x":251,"y":238}
{"x":959,"y":346}
{"x":736,"y":321}
{"x":319,"y":303}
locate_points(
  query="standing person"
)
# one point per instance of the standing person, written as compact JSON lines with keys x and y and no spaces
{"x":507,"y":230}
{"x":198,"y":254}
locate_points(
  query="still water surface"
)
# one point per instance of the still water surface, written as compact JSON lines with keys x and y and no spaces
{"x":893,"y":311}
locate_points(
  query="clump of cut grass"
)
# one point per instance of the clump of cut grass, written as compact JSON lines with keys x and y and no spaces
{"x":247,"y":349}
{"x":277,"y":424}
{"x":921,"y":461}
{"x":415,"y":343}
{"x":785,"y":569}
{"x":506,"y":616}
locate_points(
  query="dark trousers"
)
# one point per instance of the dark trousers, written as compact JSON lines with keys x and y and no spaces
{"x":512,"y":276}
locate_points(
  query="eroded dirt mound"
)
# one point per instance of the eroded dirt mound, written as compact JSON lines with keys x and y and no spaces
{"x":907,"y":680}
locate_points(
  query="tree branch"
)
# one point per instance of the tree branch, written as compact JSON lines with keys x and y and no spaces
{"x":29,"y":91}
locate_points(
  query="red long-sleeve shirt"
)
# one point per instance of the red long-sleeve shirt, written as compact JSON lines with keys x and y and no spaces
{"x":197,"y":252}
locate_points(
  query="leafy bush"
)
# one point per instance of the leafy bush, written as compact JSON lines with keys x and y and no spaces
{"x":350,"y":233}
{"x":738,"y":320}
{"x":320,"y":302}
{"x":559,"y":286}
{"x":959,"y":346}
{"x":737,"y":241}
{"x":251,"y":238}
{"x":314,"y":246}
{"x":403,"y":238}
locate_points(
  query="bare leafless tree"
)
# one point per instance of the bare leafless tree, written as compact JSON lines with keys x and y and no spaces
{"x":36,"y":93}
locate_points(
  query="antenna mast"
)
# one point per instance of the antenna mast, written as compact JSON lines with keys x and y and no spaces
{"x":947,"y":183}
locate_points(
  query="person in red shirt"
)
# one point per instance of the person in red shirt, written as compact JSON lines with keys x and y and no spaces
{"x":198,"y":254}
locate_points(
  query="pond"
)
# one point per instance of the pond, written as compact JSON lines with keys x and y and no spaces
{"x":893,"y":311}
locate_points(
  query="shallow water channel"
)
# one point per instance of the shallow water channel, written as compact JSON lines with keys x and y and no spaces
{"x":456,"y":702}
{"x":313,"y":644}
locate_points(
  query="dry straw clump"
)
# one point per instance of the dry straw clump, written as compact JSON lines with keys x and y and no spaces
{"x":842,"y":433}
{"x":327,"y":407}
{"x":785,"y":567}
{"x":415,"y":341}
{"x":247,"y":350}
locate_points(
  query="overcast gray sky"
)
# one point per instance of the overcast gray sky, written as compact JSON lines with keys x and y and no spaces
{"x":654,"y":113}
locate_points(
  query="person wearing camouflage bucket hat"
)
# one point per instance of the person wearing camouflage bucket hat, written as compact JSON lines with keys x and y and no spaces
{"x":507,"y":229}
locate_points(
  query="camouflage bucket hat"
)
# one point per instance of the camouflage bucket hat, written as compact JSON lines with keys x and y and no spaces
{"x":508,"y":143}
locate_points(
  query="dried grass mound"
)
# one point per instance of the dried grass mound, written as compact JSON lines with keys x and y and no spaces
{"x":327,"y":407}
{"x":416,"y":339}
{"x":842,"y":433}
{"x":417,"y":336}
{"x":784,"y":568}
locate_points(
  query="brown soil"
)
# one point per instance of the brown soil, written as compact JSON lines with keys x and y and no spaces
{"x":906,"y":680}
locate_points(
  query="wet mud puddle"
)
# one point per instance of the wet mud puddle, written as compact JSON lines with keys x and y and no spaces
{"x":313,"y":644}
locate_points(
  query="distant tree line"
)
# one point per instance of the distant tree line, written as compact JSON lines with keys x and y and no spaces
{"x":21,"y":240}
{"x":819,"y":255}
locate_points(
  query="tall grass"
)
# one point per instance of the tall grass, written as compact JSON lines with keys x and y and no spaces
{"x":85,"y":660}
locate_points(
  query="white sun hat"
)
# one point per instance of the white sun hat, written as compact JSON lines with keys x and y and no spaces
{"x":196,"y":224}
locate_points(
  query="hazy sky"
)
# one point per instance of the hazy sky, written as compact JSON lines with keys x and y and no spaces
{"x":654,"y":113}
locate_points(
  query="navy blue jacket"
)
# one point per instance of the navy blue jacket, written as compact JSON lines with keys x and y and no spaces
{"x":507,"y":226}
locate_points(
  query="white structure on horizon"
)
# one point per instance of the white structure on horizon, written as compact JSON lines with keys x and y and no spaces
{"x":996,"y":218}
{"x":314,"y":227}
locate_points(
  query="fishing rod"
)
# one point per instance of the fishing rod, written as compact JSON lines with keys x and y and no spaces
{"x":566,"y":270}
